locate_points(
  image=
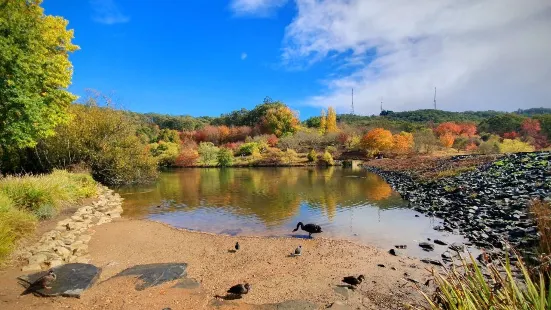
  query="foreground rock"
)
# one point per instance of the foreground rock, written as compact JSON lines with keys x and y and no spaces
{"x":155,"y":274}
{"x":488,"y":205}
{"x":72,"y":280}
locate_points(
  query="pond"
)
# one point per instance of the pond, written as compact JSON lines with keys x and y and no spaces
{"x":350,"y":204}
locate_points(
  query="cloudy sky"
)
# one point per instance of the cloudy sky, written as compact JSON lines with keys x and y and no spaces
{"x":480,"y":55}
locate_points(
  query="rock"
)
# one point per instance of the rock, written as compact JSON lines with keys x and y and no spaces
{"x":401,"y":246}
{"x":84,"y":238}
{"x":155,"y":274}
{"x":440,"y":242}
{"x":63,"y":252}
{"x":72,"y":280}
{"x":80,"y":250}
{"x":431,"y":261}
{"x":37,"y":259}
{"x":427,"y":246}
{"x":458,"y":247}
{"x":381,"y":265}
{"x":394,"y":252}
{"x":30,"y":268}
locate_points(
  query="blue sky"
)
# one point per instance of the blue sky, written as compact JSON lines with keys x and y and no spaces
{"x":209,"y":57}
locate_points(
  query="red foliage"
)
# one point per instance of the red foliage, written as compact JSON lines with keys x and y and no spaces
{"x":272,"y":140}
{"x":531,"y":127}
{"x":342,"y":138}
{"x":467,"y":129}
{"x":188,"y":157}
{"x":511,"y":135}
{"x":239,"y":133}
{"x":232,"y":145}
{"x":448,"y":128}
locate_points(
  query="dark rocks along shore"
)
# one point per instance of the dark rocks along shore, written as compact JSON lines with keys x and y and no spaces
{"x":489,"y":205}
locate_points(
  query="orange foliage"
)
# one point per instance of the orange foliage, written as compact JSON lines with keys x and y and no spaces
{"x":272,"y":140}
{"x":223,"y":133}
{"x":467,"y":129}
{"x":448,"y":128}
{"x":188,"y":157}
{"x":403,"y":142}
{"x":471,"y":147}
{"x":447,"y":140}
{"x":377,"y":140}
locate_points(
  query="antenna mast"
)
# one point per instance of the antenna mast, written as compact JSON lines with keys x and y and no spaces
{"x":352,"y":101}
{"x":435,"y":97}
{"x":381,"y":104}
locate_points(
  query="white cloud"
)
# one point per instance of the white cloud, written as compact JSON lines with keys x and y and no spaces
{"x":108,"y":12}
{"x":243,"y":56}
{"x":480,"y":54}
{"x":256,"y":7}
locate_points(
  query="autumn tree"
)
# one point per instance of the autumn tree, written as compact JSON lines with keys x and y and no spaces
{"x":323,"y":122}
{"x":331,"y":120}
{"x":377,"y":140}
{"x":35,"y":72}
{"x":467,"y":129}
{"x":280,"y":121}
{"x":531,"y":127}
{"x":403,"y":142}
{"x":447,"y":128}
{"x":447,"y":140}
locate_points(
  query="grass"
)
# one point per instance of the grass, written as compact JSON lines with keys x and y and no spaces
{"x":453,"y":172}
{"x":542,"y":213}
{"x":24,"y":200}
{"x":467,"y":287}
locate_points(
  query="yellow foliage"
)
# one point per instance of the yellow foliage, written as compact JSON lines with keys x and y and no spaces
{"x":331,"y":120}
{"x":377,"y":140}
{"x":514,"y":146}
{"x":403,"y":142}
{"x":323,"y":122}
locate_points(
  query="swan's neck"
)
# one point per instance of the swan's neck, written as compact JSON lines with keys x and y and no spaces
{"x":299,"y":225}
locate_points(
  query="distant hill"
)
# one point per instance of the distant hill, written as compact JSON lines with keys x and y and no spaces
{"x":533,"y":111}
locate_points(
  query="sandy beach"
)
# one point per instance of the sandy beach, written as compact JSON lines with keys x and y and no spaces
{"x":263,"y":262}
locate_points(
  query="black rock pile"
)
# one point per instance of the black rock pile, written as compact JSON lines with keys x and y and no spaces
{"x":488,"y":205}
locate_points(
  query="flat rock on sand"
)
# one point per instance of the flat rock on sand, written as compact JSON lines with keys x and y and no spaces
{"x":72,"y":280}
{"x":155,"y":274}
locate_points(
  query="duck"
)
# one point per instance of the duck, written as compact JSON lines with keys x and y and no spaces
{"x":310,"y":228}
{"x":237,"y":246}
{"x":240,"y":289}
{"x":298,"y":251}
{"x":43,"y":282}
{"x":353,"y":281}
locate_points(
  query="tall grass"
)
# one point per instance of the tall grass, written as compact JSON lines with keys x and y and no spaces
{"x":26,"y":199}
{"x":467,"y":287}
{"x":542,"y":213}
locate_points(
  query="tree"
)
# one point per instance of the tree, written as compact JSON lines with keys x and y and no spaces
{"x":531,"y":127}
{"x":447,"y":140}
{"x":467,"y":129}
{"x":403,"y":142}
{"x":448,"y":128}
{"x":280,"y":121}
{"x":331,"y":120}
{"x":377,"y":140}
{"x":323,"y":122}
{"x":208,"y":153}
{"x":501,"y":124}
{"x":225,"y":157}
{"x":35,"y":72}
{"x":425,"y":141}
{"x":312,"y":155}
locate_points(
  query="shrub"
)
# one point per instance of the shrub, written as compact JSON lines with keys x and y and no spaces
{"x":403,"y":143}
{"x":377,"y":140}
{"x":45,"y":211}
{"x":312,"y":156}
{"x":353,"y":143}
{"x":331,"y":149}
{"x":302,"y":141}
{"x":327,"y":158}
{"x":514,"y":146}
{"x":272,"y":140}
{"x":166,"y":152}
{"x":425,"y":141}
{"x":261,"y":142}
{"x":188,"y":157}
{"x":467,"y":288}
{"x":447,"y":140}
{"x":490,"y":146}
{"x":289,"y":156}
{"x":207,"y":153}
{"x":249,"y":148}
{"x":272,"y":156}
{"x":225,"y":157}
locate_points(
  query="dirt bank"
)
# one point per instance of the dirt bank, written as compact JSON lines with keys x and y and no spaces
{"x":263,"y":262}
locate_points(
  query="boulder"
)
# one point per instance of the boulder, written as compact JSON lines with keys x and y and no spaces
{"x":440,"y":242}
{"x":394,"y":252}
{"x":72,"y":280}
{"x":427,"y":246}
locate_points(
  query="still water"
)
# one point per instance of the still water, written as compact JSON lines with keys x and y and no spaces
{"x":348,"y":204}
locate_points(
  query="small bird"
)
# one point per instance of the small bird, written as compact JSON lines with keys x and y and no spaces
{"x":240,"y":289}
{"x":310,"y":228}
{"x":298,"y":251}
{"x":353,"y":281}
{"x":237,"y":246}
{"x":41,"y":283}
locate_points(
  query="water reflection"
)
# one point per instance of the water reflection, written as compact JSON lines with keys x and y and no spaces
{"x":352,"y":204}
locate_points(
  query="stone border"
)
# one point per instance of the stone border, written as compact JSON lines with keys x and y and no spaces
{"x":68,"y":242}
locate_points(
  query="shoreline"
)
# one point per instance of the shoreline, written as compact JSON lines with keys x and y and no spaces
{"x":263,"y":261}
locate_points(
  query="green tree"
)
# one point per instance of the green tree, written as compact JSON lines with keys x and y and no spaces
{"x":35,"y":72}
{"x":280,"y":121}
{"x":225,"y":157}
{"x":501,"y":124}
{"x":208,"y":153}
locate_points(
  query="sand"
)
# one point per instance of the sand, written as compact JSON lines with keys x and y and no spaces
{"x":263,"y":262}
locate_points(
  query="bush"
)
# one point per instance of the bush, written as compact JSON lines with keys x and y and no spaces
{"x":289,"y":156}
{"x":489,"y":146}
{"x":312,"y":156}
{"x":514,"y":146}
{"x":327,"y":159}
{"x":166,"y":152}
{"x":45,"y":211}
{"x":225,"y":157}
{"x":302,"y":141}
{"x":331,"y":149}
{"x":248,"y":148}
{"x":272,"y":156}
{"x":188,"y":157}
{"x":425,"y":141}
{"x":207,"y":153}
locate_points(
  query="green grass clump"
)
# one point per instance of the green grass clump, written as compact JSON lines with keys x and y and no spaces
{"x":26,"y":199}
{"x":467,"y":288}
{"x":453,"y":172}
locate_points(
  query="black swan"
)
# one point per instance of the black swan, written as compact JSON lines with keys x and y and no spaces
{"x":240,"y":289}
{"x":310,"y":228}
{"x":353,"y":280}
{"x":237,"y":246}
{"x":41,"y":283}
